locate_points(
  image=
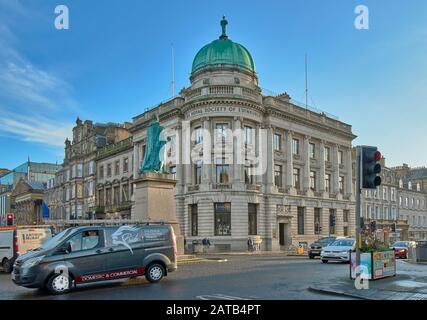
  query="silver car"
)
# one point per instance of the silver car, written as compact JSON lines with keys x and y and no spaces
{"x":338,"y":250}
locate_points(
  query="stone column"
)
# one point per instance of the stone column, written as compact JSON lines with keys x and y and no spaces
{"x":306,"y":157}
{"x":321,"y":182}
{"x":238,"y":154}
{"x":207,"y":154}
{"x":349,"y":175}
{"x":289,"y":159}
{"x":336,"y":169}
{"x":270,"y":158}
{"x":258,"y":139}
{"x":179,"y":159}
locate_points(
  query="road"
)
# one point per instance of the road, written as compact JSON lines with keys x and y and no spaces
{"x":240,"y":277}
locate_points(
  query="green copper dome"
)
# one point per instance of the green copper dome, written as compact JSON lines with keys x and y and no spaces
{"x":223,"y":52}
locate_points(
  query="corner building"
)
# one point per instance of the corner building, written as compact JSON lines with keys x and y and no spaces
{"x":306,"y":191}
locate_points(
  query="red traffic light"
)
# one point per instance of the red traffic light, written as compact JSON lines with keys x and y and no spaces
{"x":377,"y":156}
{"x":9,"y":217}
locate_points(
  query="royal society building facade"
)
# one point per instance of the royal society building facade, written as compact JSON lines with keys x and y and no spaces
{"x":247,"y":164}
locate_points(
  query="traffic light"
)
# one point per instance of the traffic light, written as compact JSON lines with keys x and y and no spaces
{"x":10,"y":219}
{"x":393,"y":227}
{"x":371,"y":168}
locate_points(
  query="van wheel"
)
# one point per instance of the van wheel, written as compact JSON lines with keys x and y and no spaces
{"x":155,"y":272}
{"x":325,"y":261}
{"x":59,"y":284}
{"x":7,"y":266}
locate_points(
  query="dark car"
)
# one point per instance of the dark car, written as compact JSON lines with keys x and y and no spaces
{"x":316,"y":247}
{"x":90,"y":254}
{"x":401,"y":248}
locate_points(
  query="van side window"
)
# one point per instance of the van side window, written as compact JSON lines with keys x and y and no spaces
{"x":85,"y":240}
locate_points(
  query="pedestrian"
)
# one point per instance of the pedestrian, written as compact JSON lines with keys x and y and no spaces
{"x":208,"y":243}
{"x":204,"y":243}
{"x":250,"y":244}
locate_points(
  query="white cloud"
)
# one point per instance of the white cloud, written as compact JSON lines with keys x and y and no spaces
{"x":32,"y":100}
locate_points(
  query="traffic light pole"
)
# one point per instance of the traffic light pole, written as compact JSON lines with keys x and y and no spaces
{"x":358,"y":215}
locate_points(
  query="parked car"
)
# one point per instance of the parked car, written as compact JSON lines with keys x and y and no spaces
{"x":91,"y":254}
{"x":15,"y":241}
{"x":316,"y":247}
{"x":339,"y":250}
{"x":401,"y":248}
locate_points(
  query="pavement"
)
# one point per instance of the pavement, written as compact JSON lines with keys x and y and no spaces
{"x":410,"y":283}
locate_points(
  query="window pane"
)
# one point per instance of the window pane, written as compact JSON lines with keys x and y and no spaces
{"x":300,"y":220}
{"x":223,"y":219}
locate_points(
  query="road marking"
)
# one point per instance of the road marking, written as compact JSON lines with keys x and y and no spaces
{"x":219,"y":296}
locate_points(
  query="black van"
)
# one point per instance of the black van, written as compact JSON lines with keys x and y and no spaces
{"x":101,"y":253}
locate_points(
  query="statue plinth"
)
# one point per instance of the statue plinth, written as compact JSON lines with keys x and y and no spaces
{"x":154,"y":201}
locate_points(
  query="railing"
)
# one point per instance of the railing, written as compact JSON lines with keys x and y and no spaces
{"x":217,"y":186}
{"x":221,"y":90}
{"x":193,"y":188}
{"x":114,"y":148}
{"x":253,"y":187}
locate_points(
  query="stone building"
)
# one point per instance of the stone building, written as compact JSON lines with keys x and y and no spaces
{"x":224,"y":117}
{"x":27,"y":202}
{"x":29,"y":171}
{"x":381,"y":205}
{"x":114,"y":165}
{"x":71,"y":195}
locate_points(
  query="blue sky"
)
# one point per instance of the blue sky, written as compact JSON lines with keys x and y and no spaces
{"x":115,"y":61}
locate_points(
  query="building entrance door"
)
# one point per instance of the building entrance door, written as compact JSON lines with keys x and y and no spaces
{"x":281,"y":234}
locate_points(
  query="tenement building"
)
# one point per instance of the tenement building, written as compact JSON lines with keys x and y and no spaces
{"x":249,"y":164}
{"x":114,"y":190}
{"x":72,"y":194}
{"x":381,"y":205}
{"x":413,"y":200}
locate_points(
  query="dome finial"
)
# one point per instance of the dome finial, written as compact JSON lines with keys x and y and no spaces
{"x":224,"y":23}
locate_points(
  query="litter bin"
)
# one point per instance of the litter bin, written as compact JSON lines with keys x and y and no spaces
{"x":421,"y":251}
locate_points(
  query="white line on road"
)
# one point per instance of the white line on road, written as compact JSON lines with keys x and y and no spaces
{"x":219,"y":296}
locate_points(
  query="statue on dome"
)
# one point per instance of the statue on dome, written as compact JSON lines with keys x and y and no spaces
{"x":224,"y":24}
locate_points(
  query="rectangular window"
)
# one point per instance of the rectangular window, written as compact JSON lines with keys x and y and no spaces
{"x":346,"y":215}
{"x":252,"y":219}
{"x":328,"y":182}
{"x":295,"y":146}
{"x":198,"y":135}
{"x":125,"y":165}
{"x":327,"y":154}
{"x":332,"y":221}
{"x":116,"y":195}
{"x":109,"y":171}
{"x":117,"y":168}
{"x":79,"y":211}
{"x":317,"y":221}
{"x":249,"y":178}
{"x":79,"y":170}
{"x":198,"y":173}
{"x":341,"y":184}
{"x":108,"y":196}
{"x":345,"y":231}
{"x":296,"y":179}
{"x":101,"y":172}
{"x":312,"y":150}
{"x":278,"y":176}
{"x":313,"y":180}
{"x":300,"y":212}
{"x":125,"y":193}
{"x":222,"y":172}
{"x":248,"y":135}
{"x":277,"y":142}
{"x":340,"y":157}
{"x":222,"y":219}
{"x":194,"y":220}
{"x":101,"y":198}
{"x":221,"y":132}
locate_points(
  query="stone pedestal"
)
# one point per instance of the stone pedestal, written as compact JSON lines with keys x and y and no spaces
{"x":154,"y":201}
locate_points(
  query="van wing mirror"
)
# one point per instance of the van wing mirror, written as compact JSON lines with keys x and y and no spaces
{"x":65,"y":248}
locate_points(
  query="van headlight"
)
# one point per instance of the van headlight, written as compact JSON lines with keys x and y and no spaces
{"x":32,"y":262}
